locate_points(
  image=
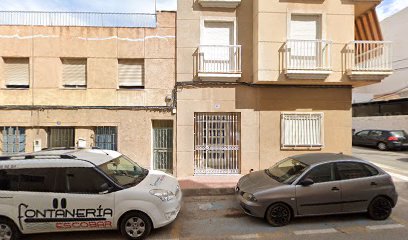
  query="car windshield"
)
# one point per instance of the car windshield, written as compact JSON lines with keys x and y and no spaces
{"x":124,"y":171}
{"x":286,"y":171}
{"x":401,"y":133}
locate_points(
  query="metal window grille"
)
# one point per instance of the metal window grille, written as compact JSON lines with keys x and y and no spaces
{"x":163,"y":145}
{"x":14,"y":139}
{"x":106,"y":138}
{"x":302,"y":130}
{"x":217,"y":143}
{"x":61,"y":138}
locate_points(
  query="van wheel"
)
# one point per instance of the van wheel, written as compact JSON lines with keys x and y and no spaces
{"x":135,"y":226}
{"x":8,"y":230}
{"x":278,"y":215}
{"x":382,"y":146}
{"x":380,"y":208}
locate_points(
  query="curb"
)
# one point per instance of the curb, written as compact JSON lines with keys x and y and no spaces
{"x":194,"y":192}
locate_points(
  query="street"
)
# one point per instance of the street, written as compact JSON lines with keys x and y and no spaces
{"x":219,"y":217}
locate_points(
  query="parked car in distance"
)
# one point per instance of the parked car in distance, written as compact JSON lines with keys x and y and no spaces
{"x":317,"y":184}
{"x":81,"y":190}
{"x":382,"y":139}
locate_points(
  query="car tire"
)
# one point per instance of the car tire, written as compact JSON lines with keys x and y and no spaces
{"x":382,"y":146}
{"x":380,"y":208}
{"x":278,"y":215}
{"x":9,"y":230}
{"x":135,"y":226}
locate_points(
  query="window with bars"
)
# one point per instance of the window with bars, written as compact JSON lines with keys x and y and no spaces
{"x":17,"y":72}
{"x":61,"y":137}
{"x":14,"y":139}
{"x":301,"y":130}
{"x":74,"y":72}
{"x":106,"y":138}
{"x":131,"y":73}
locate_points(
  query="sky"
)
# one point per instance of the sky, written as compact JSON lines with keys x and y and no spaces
{"x":384,"y":10}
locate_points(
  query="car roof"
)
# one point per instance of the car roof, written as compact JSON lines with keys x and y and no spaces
{"x":316,"y":158}
{"x":381,"y":130}
{"x":60,"y":158}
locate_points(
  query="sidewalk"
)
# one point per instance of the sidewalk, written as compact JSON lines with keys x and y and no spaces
{"x":209,"y":185}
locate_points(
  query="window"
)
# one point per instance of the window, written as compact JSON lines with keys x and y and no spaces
{"x":106,"y":138}
{"x":363,"y":133}
{"x":84,"y":180}
{"x":131,"y":73}
{"x":29,"y":180}
{"x":302,"y":130}
{"x":376,"y":133}
{"x":305,"y":27}
{"x":74,"y":73}
{"x":13,"y":140}
{"x":351,"y":170}
{"x":17,"y":72}
{"x":37,"y":180}
{"x":321,"y":173}
{"x":61,"y":138}
{"x":9,"y":180}
{"x":287,"y":170}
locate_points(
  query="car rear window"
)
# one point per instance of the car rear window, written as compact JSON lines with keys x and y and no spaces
{"x":401,"y":133}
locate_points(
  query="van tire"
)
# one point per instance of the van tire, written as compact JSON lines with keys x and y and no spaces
{"x":135,"y":226}
{"x":6,"y":224}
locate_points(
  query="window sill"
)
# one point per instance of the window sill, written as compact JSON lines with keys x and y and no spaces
{"x":8,"y":88}
{"x":130,"y":88}
{"x":67,"y":88}
{"x":303,"y":148}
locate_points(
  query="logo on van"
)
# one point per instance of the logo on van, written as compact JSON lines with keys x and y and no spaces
{"x":63,"y":214}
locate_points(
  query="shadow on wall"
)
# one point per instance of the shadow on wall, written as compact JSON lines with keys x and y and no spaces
{"x":283,"y":98}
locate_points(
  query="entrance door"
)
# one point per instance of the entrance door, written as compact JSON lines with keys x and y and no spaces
{"x":217,"y":51}
{"x":217,"y":143}
{"x":163,"y":145}
{"x":305,"y":45}
{"x":61,"y":138}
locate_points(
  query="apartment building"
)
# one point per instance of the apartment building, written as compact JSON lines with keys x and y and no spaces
{"x":89,"y":80}
{"x":260,"y":80}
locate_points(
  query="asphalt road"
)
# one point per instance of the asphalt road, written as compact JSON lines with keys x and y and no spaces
{"x":219,"y":217}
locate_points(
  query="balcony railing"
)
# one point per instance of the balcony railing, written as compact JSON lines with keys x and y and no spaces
{"x":308,"y":55}
{"x":80,"y":19}
{"x":218,"y":59}
{"x":369,"y":56}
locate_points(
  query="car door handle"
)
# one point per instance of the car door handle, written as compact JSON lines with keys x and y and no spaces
{"x":373,"y":184}
{"x":335,"y":189}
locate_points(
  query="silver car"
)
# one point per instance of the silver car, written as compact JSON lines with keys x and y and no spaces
{"x":317,"y":184}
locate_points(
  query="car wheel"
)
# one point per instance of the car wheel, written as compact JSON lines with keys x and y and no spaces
{"x":135,"y":226}
{"x":382,"y":146}
{"x":278,"y":215}
{"x":380,"y":208}
{"x":8,"y":230}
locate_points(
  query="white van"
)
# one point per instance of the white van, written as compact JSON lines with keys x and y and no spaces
{"x":79,"y":190}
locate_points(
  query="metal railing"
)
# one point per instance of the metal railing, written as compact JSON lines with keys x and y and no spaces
{"x":80,"y":19}
{"x":219,"y":59}
{"x":369,"y":56}
{"x":307,"y":55}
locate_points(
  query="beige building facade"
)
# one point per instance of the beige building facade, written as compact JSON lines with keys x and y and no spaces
{"x":261,"y":80}
{"x":106,"y":87}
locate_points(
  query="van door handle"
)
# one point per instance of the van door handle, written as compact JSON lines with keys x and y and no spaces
{"x":335,"y":189}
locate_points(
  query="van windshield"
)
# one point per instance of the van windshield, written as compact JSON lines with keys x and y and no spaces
{"x":124,"y":171}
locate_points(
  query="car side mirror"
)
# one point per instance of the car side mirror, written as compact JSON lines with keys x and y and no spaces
{"x":105,"y":188}
{"x":306,"y":182}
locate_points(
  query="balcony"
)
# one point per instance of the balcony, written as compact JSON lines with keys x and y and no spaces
{"x":368,"y":60}
{"x":307,"y":59}
{"x":219,"y":62}
{"x":220,"y":3}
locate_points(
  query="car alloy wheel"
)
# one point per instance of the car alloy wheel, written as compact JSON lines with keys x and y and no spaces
{"x":278,"y":215}
{"x":5,"y":232}
{"x":380,"y":208}
{"x":136,"y":226}
{"x":382,"y":146}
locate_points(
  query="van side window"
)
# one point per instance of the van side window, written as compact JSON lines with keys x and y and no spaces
{"x":9,"y":180}
{"x":84,"y":180}
{"x":28,"y":180}
{"x":37,"y":179}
